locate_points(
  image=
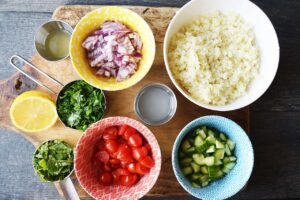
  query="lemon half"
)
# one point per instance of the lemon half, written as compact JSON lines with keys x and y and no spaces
{"x":33,"y":111}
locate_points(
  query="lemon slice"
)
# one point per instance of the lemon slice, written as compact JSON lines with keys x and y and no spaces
{"x":33,"y":111}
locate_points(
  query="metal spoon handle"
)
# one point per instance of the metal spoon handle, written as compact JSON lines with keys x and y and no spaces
{"x":19,"y":58}
{"x":68,"y":189}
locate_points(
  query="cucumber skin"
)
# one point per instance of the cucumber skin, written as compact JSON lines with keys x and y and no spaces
{"x":206,"y":144}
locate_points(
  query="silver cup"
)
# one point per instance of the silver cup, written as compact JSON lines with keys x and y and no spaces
{"x":66,"y":184}
{"x":43,"y":32}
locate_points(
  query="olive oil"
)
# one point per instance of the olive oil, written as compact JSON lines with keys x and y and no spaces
{"x":57,"y":44}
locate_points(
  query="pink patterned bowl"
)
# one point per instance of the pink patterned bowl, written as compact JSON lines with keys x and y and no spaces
{"x":88,"y":175}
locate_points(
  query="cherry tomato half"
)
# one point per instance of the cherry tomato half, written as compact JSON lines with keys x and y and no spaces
{"x":129,"y":132}
{"x":140,"y":169}
{"x":114,"y":161}
{"x":102,"y":156}
{"x":124,"y":153}
{"x":121,"y":172}
{"x":129,"y":180}
{"x":147,"y":162}
{"x":135,"y":140}
{"x":122,"y":129}
{"x":111,"y":130}
{"x":107,"y":167}
{"x":148,"y":147}
{"x":106,"y":178}
{"x":131,"y":168}
{"x":108,"y":136}
{"x":139,"y":152}
{"x":111,"y":146}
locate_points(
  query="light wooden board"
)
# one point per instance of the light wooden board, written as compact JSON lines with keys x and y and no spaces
{"x":158,"y":18}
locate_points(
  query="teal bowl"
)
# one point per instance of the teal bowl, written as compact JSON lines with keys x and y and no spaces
{"x":237,"y":178}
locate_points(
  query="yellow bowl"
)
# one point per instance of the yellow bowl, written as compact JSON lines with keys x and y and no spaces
{"x":93,"y":21}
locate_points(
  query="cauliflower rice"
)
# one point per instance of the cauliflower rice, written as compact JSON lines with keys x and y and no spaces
{"x":214,"y":58}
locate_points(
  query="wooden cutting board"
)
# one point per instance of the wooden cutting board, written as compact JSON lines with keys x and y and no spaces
{"x":120,"y":103}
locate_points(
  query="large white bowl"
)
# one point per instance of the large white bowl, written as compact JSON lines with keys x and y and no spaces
{"x":266,"y":39}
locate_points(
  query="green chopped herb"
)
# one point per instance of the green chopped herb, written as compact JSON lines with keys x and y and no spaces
{"x":53,"y":160}
{"x":80,"y":104}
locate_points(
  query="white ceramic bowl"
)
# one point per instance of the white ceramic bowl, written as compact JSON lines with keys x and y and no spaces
{"x":266,"y":39}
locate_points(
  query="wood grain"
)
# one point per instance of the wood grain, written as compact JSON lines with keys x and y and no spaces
{"x":158,"y":18}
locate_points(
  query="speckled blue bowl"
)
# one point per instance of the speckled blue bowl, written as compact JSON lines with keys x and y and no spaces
{"x":238,"y":176}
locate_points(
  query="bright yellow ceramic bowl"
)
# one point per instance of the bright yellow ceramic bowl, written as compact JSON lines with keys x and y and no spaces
{"x":93,"y":21}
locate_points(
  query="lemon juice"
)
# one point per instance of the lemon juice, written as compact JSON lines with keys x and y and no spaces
{"x":57,"y":44}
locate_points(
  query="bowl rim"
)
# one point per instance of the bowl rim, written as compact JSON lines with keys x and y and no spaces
{"x":122,"y":118}
{"x":227,"y":107}
{"x":113,"y":88}
{"x":183,"y":133}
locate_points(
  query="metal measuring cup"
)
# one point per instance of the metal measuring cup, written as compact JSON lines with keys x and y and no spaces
{"x":44,"y":31}
{"x":57,"y":94}
{"x":66,"y":184}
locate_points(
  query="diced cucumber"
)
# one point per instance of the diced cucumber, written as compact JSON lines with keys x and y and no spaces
{"x":181,"y":154}
{"x":204,"y":184}
{"x":197,"y":131}
{"x":218,"y":162}
{"x":195,"y":167}
{"x":203,"y":178}
{"x":194,"y":177}
{"x":215,"y":172}
{"x":212,"y":171}
{"x":190,"y":151}
{"x":231,"y":144}
{"x":219,"y":174}
{"x":204,"y":169}
{"x":194,"y":184}
{"x":202,"y":148}
{"x":209,"y":161}
{"x":232,"y":158}
{"x":198,"y":141}
{"x":186,"y":162}
{"x":211,"y":149}
{"x":228,"y":166}
{"x":211,"y":133}
{"x":219,"y":154}
{"x":222,"y":137}
{"x":226,"y":160}
{"x":198,"y":158}
{"x":227,"y":150}
{"x":185,"y":144}
{"x":187,"y":170}
{"x":219,"y":145}
{"x":202,"y":134}
{"x":211,"y":139}
{"x":206,"y":155}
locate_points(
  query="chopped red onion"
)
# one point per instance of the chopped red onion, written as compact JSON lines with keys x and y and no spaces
{"x":114,"y":49}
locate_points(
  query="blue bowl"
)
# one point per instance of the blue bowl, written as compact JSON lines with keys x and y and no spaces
{"x":236,"y":179}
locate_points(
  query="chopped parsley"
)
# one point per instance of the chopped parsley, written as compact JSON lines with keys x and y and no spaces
{"x":80,"y":104}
